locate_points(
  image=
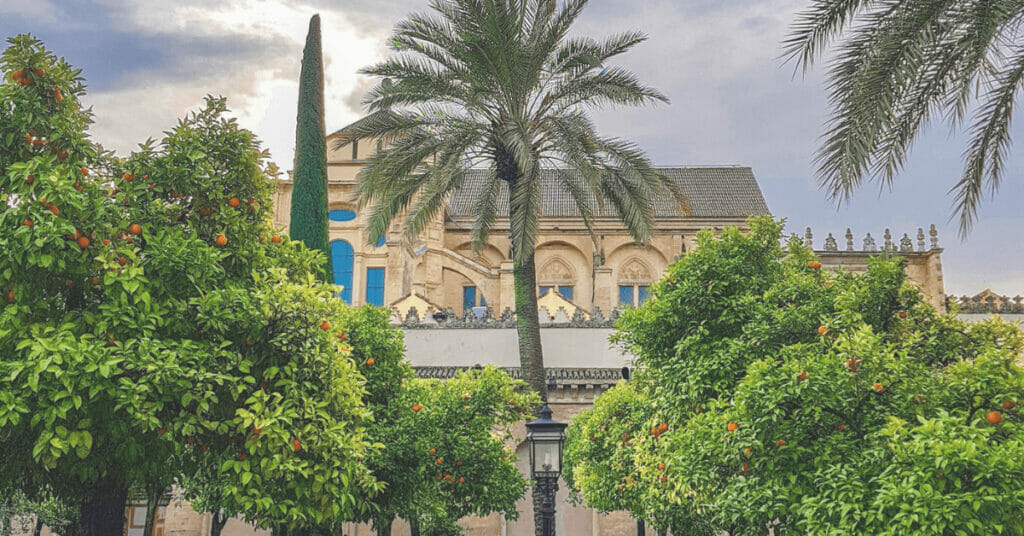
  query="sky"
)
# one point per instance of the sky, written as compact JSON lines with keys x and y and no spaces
{"x":733,"y":100}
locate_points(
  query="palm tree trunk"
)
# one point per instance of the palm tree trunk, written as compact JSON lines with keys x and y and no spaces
{"x":531,"y":356}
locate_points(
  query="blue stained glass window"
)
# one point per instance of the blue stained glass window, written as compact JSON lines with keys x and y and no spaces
{"x":625,"y":295}
{"x":375,"y":286}
{"x":342,"y":257}
{"x":380,"y":241}
{"x":566,"y":292}
{"x":468,"y":298}
{"x":341,"y":215}
{"x":544,"y":290}
{"x":641,"y":295}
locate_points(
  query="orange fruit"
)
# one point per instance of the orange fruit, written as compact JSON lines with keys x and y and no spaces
{"x":296,"y":445}
{"x":106,"y":241}
{"x":18,"y":75}
{"x":745,"y":468}
{"x":433,"y":451}
{"x":83,"y":242}
{"x":919,"y":399}
{"x":370,"y":362}
{"x":57,"y":95}
{"x":417,"y":407}
{"x":53,"y":208}
{"x":780,"y":443}
{"x":234,"y":202}
{"x":462,"y":480}
{"x":994,"y":417}
{"x":439,"y":477}
{"x":342,"y":337}
{"x":815,"y":265}
{"x":122,"y":261}
{"x":841,"y":427}
{"x":275,"y":239}
{"x":30,"y":179}
{"x":661,"y":467}
{"x":732,"y":426}
{"x":902,"y":314}
{"x":878,"y":387}
{"x":95,"y":281}
{"x":221,"y":240}
{"x":822,"y":330}
{"x":439,"y":461}
{"x":10,"y":295}
{"x":1007,"y":404}
{"x":664,"y":478}
{"x":39,"y":72}
{"x":135,"y":229}
{"x":242,"y":457}
{"x":746,"y":452}
{"x":802,"y":376}
{"x":325,"y":325}
{"x":28,"y":223}
{"x":85,"y":172}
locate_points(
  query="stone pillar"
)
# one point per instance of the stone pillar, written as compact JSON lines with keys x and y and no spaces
{"x":506,"y":289}
{"x":605,"y":292}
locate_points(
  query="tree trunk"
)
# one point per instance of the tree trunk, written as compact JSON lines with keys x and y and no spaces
{"x":102,"y":514}
{"x":414,"y":529}
{"x":531,"y":355}
{"x":39,"y":526}
{"x":217,"y":521}
{"x":153,"y":495}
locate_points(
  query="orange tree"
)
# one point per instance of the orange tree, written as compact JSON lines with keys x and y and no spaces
{"x":447,"y":452}
{"x":151,"y":318}
{"x":796,"y":397}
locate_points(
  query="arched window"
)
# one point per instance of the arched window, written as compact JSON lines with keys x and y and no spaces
{"x":634,"y":280}
{"x":556,"y":276}
{"x":342,"y":257}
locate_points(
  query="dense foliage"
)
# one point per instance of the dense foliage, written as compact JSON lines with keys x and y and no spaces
{"x":308,"y":222}
{"x":772,"y":393}
{"x":152,"y":320}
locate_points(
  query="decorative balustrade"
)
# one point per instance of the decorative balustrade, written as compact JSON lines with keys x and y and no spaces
{"x":986,"y":303}
{"x":904,"y":245}
{"x":483,"y":318}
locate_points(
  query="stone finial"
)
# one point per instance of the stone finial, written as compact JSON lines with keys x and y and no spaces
{"x":597,"y":316}
{"x":934,"y":234}
{"x":906,"y":244}
{"x":578,"y":318}
{"x":412,"y":317}
{"x":887,"y":247}
{"x":808,"y":238}
{"x":1016,"y":303}
{"x":869,"y":243}
{"x":920,"y":239}
{"x":507,"y":315}
{"x":849,"y":239}
{"x":830,"y":243}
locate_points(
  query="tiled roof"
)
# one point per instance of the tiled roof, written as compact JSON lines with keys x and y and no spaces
{"x":708,"y":192}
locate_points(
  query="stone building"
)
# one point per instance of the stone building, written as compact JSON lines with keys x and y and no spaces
{"x":455,"y":305}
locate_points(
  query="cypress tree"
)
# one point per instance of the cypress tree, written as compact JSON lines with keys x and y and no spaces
{"x":309,"y":188}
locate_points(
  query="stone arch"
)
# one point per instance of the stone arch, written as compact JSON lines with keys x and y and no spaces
{"x":556,"y":272}
{"x":636,"y":271}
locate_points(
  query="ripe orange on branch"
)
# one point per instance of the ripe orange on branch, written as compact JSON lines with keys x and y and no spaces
{"x":234,"y":202}
{"x":221,"y":240}
{"x":83,"y":242}
{"x":732,"y":426}
{"x":135,"y":229}
{"x":296,"y":445}
{"x":994,"y":417}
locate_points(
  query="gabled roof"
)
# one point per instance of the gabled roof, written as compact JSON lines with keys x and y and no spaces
{"x":708,"y":192}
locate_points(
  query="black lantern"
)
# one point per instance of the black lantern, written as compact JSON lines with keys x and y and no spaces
{"x":546,"y":437}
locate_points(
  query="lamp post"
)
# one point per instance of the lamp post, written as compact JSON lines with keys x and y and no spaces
{"x":546,"y":437}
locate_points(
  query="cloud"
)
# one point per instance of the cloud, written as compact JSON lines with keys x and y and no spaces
{"x":148,"y":62}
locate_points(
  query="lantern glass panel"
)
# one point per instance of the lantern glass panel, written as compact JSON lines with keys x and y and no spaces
{"x":546,"y":456}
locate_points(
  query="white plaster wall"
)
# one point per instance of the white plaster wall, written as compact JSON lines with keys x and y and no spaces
{"x":563,"y":347}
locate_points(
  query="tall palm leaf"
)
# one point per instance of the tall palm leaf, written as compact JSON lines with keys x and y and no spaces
{"x":498,"y":84}
{"x":898,"y":63}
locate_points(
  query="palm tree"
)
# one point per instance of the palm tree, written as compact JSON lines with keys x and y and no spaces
{"x":898,"y":63}
{"x":498,"y":84}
